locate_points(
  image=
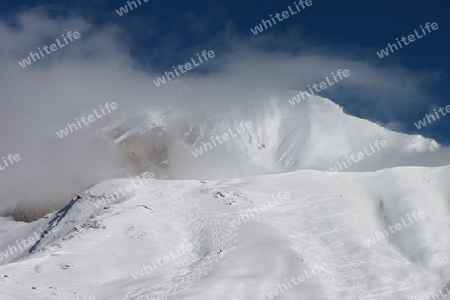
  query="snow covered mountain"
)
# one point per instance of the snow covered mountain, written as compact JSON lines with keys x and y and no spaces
{"x":282,"y":229}
{"x":174,"y":141}
{"x":313,"y":134}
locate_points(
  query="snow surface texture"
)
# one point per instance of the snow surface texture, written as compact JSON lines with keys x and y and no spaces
{"x":232,"y":239}
{"x":95,"y":251}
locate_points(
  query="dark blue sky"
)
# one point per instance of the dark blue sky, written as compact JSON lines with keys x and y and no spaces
{"x":160,"y":33}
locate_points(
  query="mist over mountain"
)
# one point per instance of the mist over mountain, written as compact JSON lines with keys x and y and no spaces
{"x":42,"y":99}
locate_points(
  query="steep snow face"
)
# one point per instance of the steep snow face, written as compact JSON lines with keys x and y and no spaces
{"x":380,"y":235}
{"x":269,"y":136}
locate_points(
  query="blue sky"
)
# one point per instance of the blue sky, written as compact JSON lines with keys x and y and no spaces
{"x":160,"y":34}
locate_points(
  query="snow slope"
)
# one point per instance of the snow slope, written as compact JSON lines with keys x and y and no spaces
{"x":90,"y":252}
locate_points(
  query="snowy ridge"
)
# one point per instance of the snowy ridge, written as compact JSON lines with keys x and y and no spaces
{"x":314,"y":134}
